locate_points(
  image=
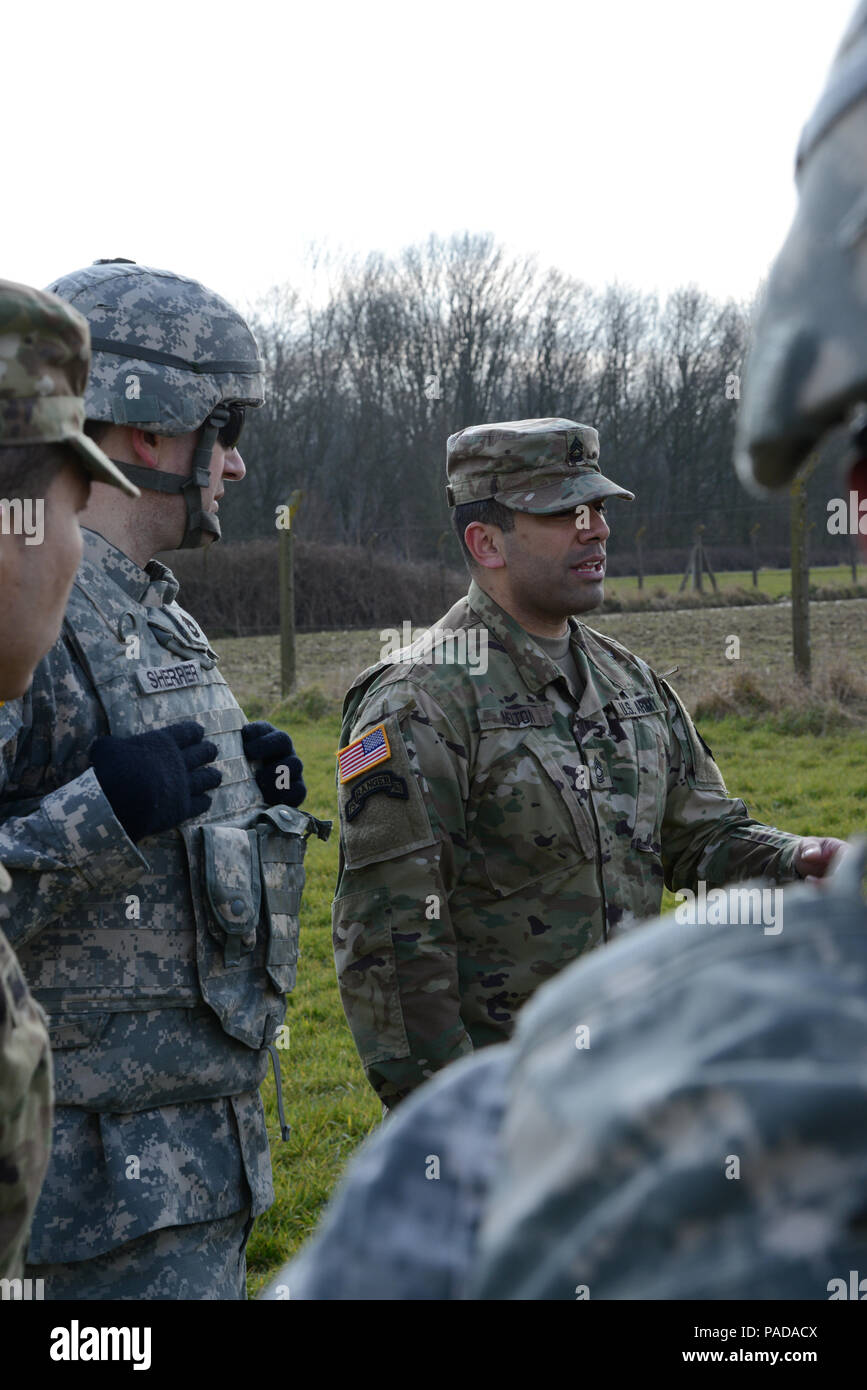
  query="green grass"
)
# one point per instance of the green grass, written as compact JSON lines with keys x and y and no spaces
{"x":804,"y":785}
{"x":326,"y":1097}
{"x":777,"y":583}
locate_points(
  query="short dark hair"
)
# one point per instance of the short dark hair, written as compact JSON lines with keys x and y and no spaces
{"x":28,"y":470}
{"x":489,"y":512}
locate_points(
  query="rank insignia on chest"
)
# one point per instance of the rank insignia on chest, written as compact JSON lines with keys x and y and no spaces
{"x":363,"y":753}
{"x":598,"y":772}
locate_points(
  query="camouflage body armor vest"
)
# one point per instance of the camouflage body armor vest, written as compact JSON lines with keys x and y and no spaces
{"x":210,"y":930}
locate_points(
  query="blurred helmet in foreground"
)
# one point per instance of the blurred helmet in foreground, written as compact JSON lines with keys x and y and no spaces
{"x":807,"y":367}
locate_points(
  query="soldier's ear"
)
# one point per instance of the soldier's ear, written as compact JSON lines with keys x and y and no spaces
{"x":858,"y":483}
{"x":485,"y":542}
{"x":145,"y":446}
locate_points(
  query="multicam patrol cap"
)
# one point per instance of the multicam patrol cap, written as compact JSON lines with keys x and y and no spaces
{"x":807,"y":367}
{"x":44,"y":362}
{"x":540,"y":466}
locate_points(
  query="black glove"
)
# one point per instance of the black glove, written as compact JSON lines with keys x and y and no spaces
{"x":156,"y":780}
{"x":263,"y":743}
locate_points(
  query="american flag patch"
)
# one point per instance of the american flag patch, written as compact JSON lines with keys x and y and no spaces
{"x":363,"y":753}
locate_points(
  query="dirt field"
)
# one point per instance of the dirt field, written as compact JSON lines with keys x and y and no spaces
{"x":694,"y":641}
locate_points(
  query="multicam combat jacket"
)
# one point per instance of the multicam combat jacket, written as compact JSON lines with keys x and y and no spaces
{"x":509,"y":828}
{"x":25,"y":1106}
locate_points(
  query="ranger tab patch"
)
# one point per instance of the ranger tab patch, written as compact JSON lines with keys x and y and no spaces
{"x":364,"y":752}
{"x":153,"y":679}
{"x":387,"y":782}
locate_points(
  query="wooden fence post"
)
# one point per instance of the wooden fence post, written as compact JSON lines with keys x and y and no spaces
{"x":286,"y":583}
{"x":801,"y":573}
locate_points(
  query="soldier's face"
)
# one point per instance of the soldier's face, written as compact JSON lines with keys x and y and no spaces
{"x":227,"y":466}
{"x":176,"y":456}
{"x":36,"y":574}
{"x":553,"y":565}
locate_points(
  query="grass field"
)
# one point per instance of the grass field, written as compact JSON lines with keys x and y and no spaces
{"x":777,"y":583}
{"x":803,"y":784}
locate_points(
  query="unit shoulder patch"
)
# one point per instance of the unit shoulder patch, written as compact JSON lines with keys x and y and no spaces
{"x":383,"y":814}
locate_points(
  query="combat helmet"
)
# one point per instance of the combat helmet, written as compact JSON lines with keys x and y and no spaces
{"x":169,"y":356}
{"x":807,"y":368}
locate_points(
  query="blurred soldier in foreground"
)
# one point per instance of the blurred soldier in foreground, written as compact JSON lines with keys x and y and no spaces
{"x":151,"y":834}
{"x":499,"y":821}
{"x":46,"y":464}
{"x":684,"y":1114}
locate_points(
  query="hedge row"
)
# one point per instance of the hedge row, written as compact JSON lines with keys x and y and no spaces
{"x":233,"y":590}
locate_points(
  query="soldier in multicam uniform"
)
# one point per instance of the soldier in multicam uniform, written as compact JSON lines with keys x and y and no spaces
{"x":46,"y":461}
{"x":497,"y":824}
{"x":153,"y":836}
{"x":711,"y":1140}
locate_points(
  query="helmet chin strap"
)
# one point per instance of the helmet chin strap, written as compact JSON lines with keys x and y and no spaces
{"x":199,"y":523}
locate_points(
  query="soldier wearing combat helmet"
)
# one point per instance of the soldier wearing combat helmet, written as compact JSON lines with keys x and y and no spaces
{"x":152,"y":833}
{"x":715,"y":1053}
{"x":497,"y":823}
{"x":46,"y":465}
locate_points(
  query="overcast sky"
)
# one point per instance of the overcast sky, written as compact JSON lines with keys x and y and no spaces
{"x":648,"y":143}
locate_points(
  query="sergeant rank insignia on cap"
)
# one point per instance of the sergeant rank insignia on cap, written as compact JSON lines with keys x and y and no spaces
{"x":365,"y":752}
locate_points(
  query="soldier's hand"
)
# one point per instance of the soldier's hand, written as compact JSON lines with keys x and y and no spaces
{"x":813,"y":856}
{"x":154,"y":781}
{"x":279,"y":777}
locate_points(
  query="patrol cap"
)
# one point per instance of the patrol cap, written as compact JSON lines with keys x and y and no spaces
{"x":44,"y":365}
{"x":538,"y":466}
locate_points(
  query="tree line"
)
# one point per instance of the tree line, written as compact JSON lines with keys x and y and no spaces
{"x":367,"y":377}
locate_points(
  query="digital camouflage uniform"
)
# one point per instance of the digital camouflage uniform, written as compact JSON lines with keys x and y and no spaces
{"x":160,"y":1003}
{"x":163,"y":966}
{"x":710,"y":1140}
{"x":44,"y":362}
{"x":606,"y":1171}
{"x":507,"y":824}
